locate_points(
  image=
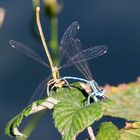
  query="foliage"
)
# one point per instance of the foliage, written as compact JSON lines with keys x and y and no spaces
{"x":70,"y":114}
{"x":131,"y":131}
{"x":126,"y":99}
{"x":71,"y":117}
{"x":108,"y":131}
{"x":11,"y":128}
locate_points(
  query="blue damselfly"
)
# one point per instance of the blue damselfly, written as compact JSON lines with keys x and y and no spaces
{"x":73,"y":50}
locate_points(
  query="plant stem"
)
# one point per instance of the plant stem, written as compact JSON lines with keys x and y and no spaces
{"x":54,"y":38}
{"x":91,"y":134}
{"x":31,"y":125}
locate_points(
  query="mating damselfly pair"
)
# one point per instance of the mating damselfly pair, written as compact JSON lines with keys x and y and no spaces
{"x":70,"y":47}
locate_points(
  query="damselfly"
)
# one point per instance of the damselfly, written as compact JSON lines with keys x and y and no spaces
{"x":72,"y":48}
{"x":56,"y":80}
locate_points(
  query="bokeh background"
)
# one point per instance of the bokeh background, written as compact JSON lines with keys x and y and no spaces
{"x":113,"y":23}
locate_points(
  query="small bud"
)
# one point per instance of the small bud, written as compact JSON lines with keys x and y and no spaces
{"x":53,"y":7}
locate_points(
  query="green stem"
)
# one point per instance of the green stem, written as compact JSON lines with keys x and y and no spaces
{"x":54,"y":38}
{"x":31,"y":125}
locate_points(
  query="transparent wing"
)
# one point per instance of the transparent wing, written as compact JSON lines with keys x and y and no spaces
{"x":69,"y":34}
{"x":71,"y":50}
{"x":40,"y":91}
{"x":27,"y":51}
{"x":77,"y":56}
{"x":87,"y":54}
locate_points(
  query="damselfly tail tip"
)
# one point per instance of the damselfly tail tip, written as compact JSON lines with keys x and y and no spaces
{"x":76,"y":24}
{"x":105,"y":51}
{"x":12,"y":43}
{"x":105,"y":48}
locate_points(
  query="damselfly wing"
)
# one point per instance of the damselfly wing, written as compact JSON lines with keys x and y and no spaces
{"x":73,"y":50}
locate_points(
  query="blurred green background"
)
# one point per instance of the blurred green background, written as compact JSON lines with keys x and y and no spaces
{"x":113,"y":23}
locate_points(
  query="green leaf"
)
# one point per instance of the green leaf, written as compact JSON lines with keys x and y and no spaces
{"x":131,"y":131}
{"x":108,"y":131}
{"x":126,"y":99}
{"x":12,"y":126}
{"x":71,"y":116}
